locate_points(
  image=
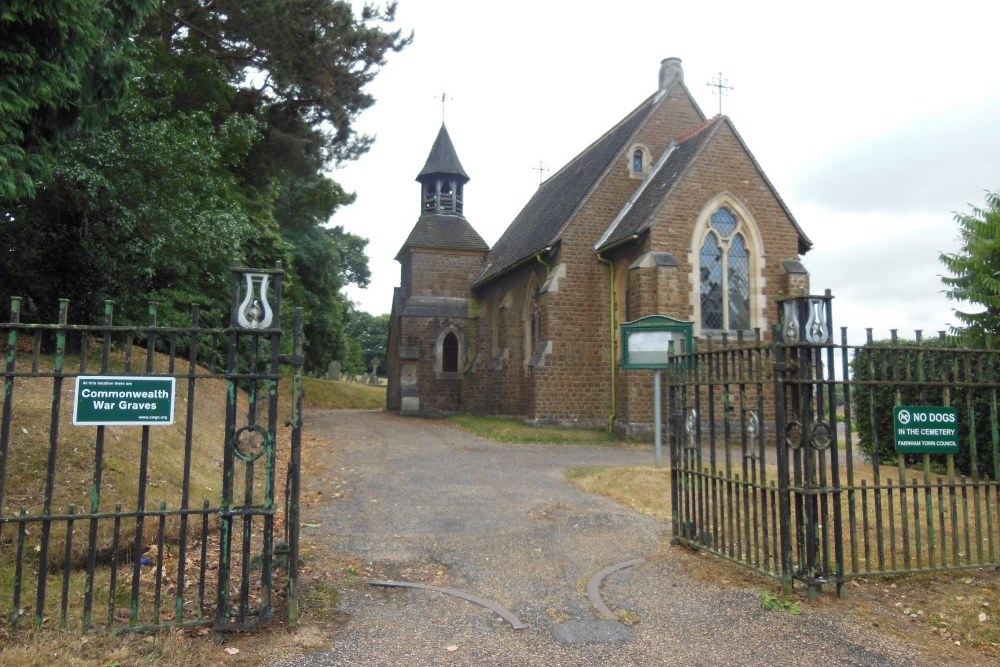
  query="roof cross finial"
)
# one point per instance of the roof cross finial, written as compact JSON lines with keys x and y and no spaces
{"x":444,"y":97}
{"x":721,"y":86}
{"x":541,"y":169}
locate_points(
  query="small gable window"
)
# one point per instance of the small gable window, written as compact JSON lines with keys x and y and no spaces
{"x":449,"y":353}
{"x":725,"y":274}
{"x":639,"y":162}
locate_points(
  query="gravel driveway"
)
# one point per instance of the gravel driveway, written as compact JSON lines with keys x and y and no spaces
{"x":425,"y":501}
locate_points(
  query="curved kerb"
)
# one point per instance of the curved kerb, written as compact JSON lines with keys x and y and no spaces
{"x":594,"y":587}
{"x":514,"y":621}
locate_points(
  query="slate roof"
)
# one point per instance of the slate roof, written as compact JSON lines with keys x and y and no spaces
{"x":637,"y":215}
{"x":540,"y":223}
{"x":443,"y":232}
{"x":443,"y":159}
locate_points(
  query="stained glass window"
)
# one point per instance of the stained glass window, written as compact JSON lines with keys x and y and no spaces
{"x":725,"y":274}
{"x":738,"y":272}
{"x":724,"y":222}
{"x":711,"y":283}
{"x":637,"y":161}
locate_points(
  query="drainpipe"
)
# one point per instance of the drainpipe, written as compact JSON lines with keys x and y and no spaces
{"x":613,"y":332}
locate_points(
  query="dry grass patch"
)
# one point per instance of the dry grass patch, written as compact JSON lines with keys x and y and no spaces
{"x":74,"y":464}
{"x":945,"y":612}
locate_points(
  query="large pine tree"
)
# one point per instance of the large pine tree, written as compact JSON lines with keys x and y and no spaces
{"x":217,"y":151}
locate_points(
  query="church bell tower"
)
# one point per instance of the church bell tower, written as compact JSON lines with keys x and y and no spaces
{"x":442,"y":180}
{"x":431,"y":328}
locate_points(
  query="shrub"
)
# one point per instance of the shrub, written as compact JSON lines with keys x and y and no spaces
{"x":925,"y":373}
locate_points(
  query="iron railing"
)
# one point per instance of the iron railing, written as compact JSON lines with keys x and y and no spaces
{"x":84,"y":542}
{"x":783,"y":457}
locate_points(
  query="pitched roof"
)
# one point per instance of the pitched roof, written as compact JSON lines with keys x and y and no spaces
{"x":443,"y":159}
{"x":637,"y":215}
{"x":541,"y":221}
{"x":443,"y":232}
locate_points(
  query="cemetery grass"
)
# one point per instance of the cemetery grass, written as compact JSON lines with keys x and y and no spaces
{"x":947,"y":613}
{"x":322,"y":394}
{"x":197,"y":647}
{"x":515,"y":431}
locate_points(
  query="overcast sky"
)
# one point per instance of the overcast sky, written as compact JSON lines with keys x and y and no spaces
{"x":876,"y":121}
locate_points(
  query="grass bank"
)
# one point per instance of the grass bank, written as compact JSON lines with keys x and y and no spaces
{"x":74,"y":463}
{"x":320,"y":394}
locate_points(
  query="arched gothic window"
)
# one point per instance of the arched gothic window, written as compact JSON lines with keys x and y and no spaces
{"x":449,"y":353}
{"x":637,"y":163}
{"x":725,"y":274}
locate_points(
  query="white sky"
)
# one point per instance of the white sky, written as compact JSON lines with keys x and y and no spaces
{"x":876,"y":121}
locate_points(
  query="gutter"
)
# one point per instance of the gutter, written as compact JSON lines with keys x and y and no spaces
{"x":538,"y":256}
{"x":479,"y":282}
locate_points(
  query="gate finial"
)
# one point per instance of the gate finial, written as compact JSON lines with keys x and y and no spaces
{"x":254,"y":311}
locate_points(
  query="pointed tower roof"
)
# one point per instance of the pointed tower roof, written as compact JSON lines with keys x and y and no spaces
{"x":443,"y":159}
{"x":442,"y":224}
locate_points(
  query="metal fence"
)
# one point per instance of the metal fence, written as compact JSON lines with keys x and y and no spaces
{"x":784,"y":457}
{"x":127,"y":525}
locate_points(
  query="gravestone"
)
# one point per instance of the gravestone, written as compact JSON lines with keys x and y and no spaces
{"x":333,"y":371}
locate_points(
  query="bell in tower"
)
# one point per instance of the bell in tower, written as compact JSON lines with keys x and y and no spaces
{"x":442,"y":179}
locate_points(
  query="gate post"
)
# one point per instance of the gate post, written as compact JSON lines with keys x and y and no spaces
{"x":806,"y":330}
{"x":254,"y":344}
{"x":293,"y":486}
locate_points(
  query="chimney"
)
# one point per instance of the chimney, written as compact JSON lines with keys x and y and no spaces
{"x":670,"y":71}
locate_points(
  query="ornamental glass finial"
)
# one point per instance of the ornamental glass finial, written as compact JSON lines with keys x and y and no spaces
{"x":254,"y":311}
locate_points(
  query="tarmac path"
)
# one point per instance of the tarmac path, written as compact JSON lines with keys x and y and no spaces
{"x":424,"y":501}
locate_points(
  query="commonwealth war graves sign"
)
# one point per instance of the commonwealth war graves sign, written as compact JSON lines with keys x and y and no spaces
{"x":106,"y":400}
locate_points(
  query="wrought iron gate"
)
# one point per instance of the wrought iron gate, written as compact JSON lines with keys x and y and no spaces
{"x":765,"y":451}
{"x":153,"y":558}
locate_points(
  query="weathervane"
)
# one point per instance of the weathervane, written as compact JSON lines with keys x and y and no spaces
{"x":444,"y":98}
{"x":541,"y":169}
{"x":721,"y":86}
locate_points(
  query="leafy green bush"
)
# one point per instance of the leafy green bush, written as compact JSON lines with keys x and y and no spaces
{"x":925,"y":374}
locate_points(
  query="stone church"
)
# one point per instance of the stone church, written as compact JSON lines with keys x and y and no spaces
{"x":667,"y":213}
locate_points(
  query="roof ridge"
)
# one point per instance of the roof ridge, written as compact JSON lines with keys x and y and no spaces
{"x":704,"y":124}
{"x":650,"y":101}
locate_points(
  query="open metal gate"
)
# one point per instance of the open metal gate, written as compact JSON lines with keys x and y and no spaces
{"x":767,"y":438}
{"x":196,"y":536}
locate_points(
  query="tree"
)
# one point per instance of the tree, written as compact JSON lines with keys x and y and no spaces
{"x":234,"y":114}
{"x":147,"y":209}
{"x":65,"y":64}
{"x":975,"y":270}
{"x":371,"y":333}
{"x":300,"y":67}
